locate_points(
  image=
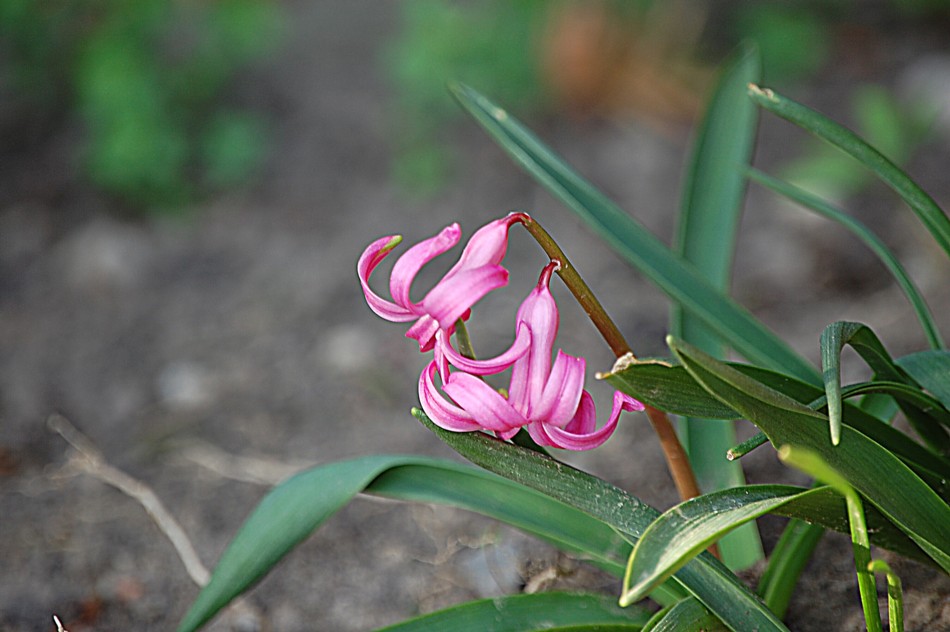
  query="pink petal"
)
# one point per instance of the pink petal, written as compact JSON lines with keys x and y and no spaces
{"x":408,"y":265}
{"x":371,"y":258}
{"x":507,"y":434}
{"x":423,"y":331}
{"x":562,"y":392}
{"x":490,"y":366}
{"x":579,"y":433}
{"x":455,"y":295}
{"x":487,"y":246}
{"x":440,"y":411}
{"x":486,"y":406}
{"x":530,"y":374}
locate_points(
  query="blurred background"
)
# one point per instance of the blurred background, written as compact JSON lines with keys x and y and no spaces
{"x":185,"y":188}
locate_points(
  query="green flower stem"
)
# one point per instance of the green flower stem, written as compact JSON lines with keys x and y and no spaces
{"x":676,"y":459}
{"x":895,"y":595}
{"x":814,"y":465}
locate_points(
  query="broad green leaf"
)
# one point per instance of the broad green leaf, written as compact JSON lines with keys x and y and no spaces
{"x":293,"y":509}
{"x":633,"y":242}
{"x":708,"y":221}
{"x":812,"y":464}
{"x":866,"y":343}
{"x":871,"y":240}
{"x":877,"y":474}
{"x":557,"y":611}
{"x":704,"y":577}
{"x":927,"y":210}
{"x":930,"y":369}
{"x":690,"y":527}
{"x":687,"y":615}
{"x":671,"y":388}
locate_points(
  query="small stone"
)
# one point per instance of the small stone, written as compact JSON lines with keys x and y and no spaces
{"x":184,"y":386}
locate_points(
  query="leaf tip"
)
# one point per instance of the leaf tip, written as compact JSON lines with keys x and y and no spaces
{"x":766,"y":93}
{"x":624,"y":362}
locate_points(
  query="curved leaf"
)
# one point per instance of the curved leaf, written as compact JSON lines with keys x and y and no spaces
{"x":873,"y":471}
{"x":672,"y":389}
{"x":293,"y":509}
{"x":704,"y":577}
{"x":871,"y":240}
{"x":691,"y":526}
{"x":633,"y":242}
{"x":869,"y":347}
{"x":560,"y":612}
{"x":929,"y":213}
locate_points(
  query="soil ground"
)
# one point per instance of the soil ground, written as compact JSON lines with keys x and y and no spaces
{"x":243,"y":327}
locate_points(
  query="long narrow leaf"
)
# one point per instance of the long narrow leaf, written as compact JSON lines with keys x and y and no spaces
{"x":704,"y":577}
{"x":786,"y":564}
{"x":292,"y":510}
{"x":927,"y":210}
{"x":633,"y":242}
{"x":873,"y":471}
{"x":871,"y":240}
{"x":708,"y":221}
{"x":526,"y":613}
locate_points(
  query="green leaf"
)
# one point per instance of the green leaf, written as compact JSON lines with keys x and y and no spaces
{"x":293,"y":509}
{"x":706,"y":235}
{"x":866,"y":343}
{"x":791,"y":554}
{"x":633,"y":242}
{"x":876,"y":473}
{"x":672,"y":389}
{"x":564,"y":612}
{"x":872,"y":241}
{"x":930,"y":369}
{"x":687,"y":615}
{"x":690,"y":527}
{"x":926,"y":209}
{"x":704,"y":577}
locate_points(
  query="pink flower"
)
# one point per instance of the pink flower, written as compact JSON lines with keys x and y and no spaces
{"x":476,"y":273}
{"x":549,"y":400}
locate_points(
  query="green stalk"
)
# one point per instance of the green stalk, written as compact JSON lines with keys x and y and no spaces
{"x":812,"y":464}
{"x":895,"y":595}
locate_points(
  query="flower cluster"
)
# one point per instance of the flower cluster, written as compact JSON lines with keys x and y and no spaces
{"x":547,"y":399}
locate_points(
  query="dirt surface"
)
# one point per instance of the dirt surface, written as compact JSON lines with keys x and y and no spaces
{"x":243,"y":328}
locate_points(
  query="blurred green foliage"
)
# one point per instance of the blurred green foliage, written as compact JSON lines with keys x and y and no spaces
{"x":495,"y":46}
{"x":145,"y":78}
{"x":488,"y":43}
